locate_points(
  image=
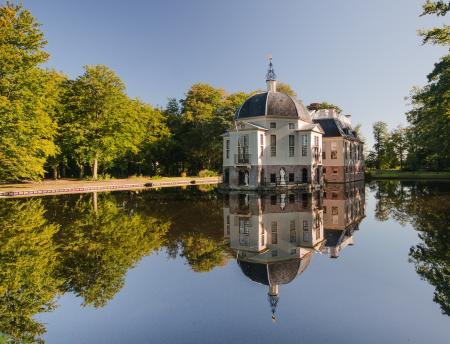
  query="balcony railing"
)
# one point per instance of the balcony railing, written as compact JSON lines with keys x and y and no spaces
{"x":242,"y":158}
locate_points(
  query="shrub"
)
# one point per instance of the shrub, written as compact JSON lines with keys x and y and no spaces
{"x":207,"y":173}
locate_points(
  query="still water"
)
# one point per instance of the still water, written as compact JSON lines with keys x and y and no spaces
{"x":354,"y":264}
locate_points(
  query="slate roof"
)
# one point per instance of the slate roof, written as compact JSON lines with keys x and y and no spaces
{"x":275,"y":104}
{"x":333,"y":127}
{"x":281,"y":272}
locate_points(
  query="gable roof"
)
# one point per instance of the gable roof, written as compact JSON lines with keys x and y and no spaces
{"x":335,"y":128}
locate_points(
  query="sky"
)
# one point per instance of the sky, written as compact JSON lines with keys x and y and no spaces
{"x":364,"y":56}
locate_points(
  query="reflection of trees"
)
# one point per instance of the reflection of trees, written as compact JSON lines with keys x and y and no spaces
{"x":86,"y":243}
{"x":100,"y":244}
{"x":425,"y":205}
{"x":28,"y":259}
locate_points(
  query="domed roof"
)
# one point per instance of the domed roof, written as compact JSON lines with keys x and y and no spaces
{"x":282,"y":272}
{"x":273,"y":104}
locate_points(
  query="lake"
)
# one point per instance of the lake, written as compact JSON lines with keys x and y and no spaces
{"x":353,"y":264}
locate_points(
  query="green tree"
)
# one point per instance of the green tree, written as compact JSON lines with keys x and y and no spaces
{"x":99,"y":243}
{"x":28,"y":260}
{"x":100,"y":122}
{"x":27,"y":97}
{"x":438,"y":35}
{"x":323,"y":105}
{"x":399,"y":143}
{"x":286,"y":89}
{"x":381,"y":138}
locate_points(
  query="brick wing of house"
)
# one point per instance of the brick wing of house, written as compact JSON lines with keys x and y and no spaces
{"x":342,"y":149}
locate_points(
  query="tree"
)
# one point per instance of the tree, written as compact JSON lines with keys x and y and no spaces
{"x":100,"y":122}
{"x":430,"y":119}
{"x":28,"y":260}
{"x":323,"y":105}
{"x":27,"y":97}
{"x":439,"y":35}
{"x":286,"y":89}
{"x":100,"y":243}
{"x":381,"y":137}
{"x":399,"y":143}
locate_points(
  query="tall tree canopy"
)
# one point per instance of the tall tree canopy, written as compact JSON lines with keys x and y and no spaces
{"x":27,"y":97}
{"x":100,"y":123}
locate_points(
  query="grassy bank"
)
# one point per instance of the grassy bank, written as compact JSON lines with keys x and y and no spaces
{"x":397,"y":174}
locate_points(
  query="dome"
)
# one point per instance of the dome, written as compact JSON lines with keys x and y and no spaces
{"x":273,"y":104}
{"x":281,"y":272}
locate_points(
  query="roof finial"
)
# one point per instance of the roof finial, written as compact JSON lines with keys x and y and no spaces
{"x":271,"y":76}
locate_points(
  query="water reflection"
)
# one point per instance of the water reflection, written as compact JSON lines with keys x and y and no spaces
{"x":274,"y":236}
{"x":85,"y":244}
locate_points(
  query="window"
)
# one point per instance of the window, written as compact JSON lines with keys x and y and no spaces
{"x":273,"y":145}
{"x":346,"y":149}
{"x":228,"y":225}
{"x":274,"y":233}
{"x":291,"y":126}
{"x":273,"y":178}
{"x":244,"y":225}
{"x":292,"y":232}
{"x":226,"y":177}
{"x":304,"y":145}
{"x":334,"y":211}
{"x":227,"y":144}
{"x":324,"y":209}
{"x":316,"y":141}
{"x":274,"y":253}
{"x":273,"y":125}
{"x":261,"y":144}
{"x":293,"y":251}
{"x":305,"y":236}
{"x":291,"y":177}
{"x":305,"y":225}
{"x":273,"y":199}
{"x":291,"y":145}
{"x":324,"y":156}
{"x":333,"y":150}
{"x":243,"y":147}
{"x":324,"y":170}
{"x":317,"y":233}
{"x":292,"y":198}
{"x":335,"y":170}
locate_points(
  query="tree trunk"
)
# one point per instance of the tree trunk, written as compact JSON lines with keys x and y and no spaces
{"x":81,"y":171}
{"x":95,"y":167}
{"x":94,"y":202}
{"x":55,"y":172}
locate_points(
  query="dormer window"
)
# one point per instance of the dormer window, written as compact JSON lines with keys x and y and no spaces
{"x":273,"y":125}
{"x":291,"y":126}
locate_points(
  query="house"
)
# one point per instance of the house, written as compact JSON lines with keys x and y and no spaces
{"x":274,"y":143}
{"x":342,"y":149}
{"x":343,"y":211}
{"x":274,"y":235}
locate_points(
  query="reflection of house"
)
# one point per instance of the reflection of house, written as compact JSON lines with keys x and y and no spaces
{"x":273,"y":235}
{"x":343,"y":210}
{"x":342,"y":149}
{"x":274,"y":143}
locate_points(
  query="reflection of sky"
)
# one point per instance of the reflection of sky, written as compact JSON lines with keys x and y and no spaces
{"x":370,"y":294}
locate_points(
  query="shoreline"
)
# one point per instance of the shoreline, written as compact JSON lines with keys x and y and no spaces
{"x":73,"y":186}
{"x":406,"y":175}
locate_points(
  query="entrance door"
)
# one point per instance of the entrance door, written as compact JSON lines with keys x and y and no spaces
{"x":304,"y":175}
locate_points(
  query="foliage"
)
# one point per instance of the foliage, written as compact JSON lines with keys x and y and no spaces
{"x":425,"y":206}
{"x":323,"y":105}
{"x":28,"y":96}
{"x":100,"y":243}
{"x":286,"y":89}
{"x":28,"y":259}
{"x":207,"y":173}
{"x":430,"y":120}
{"x":438,"y":35}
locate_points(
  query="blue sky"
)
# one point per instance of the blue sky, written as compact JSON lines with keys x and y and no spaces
{"x":363,"y":55}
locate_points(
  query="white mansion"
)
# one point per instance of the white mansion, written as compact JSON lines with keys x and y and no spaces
{"x":274,"y":143}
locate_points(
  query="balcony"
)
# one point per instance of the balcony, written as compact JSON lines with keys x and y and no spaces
{"x":242,"y":159}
